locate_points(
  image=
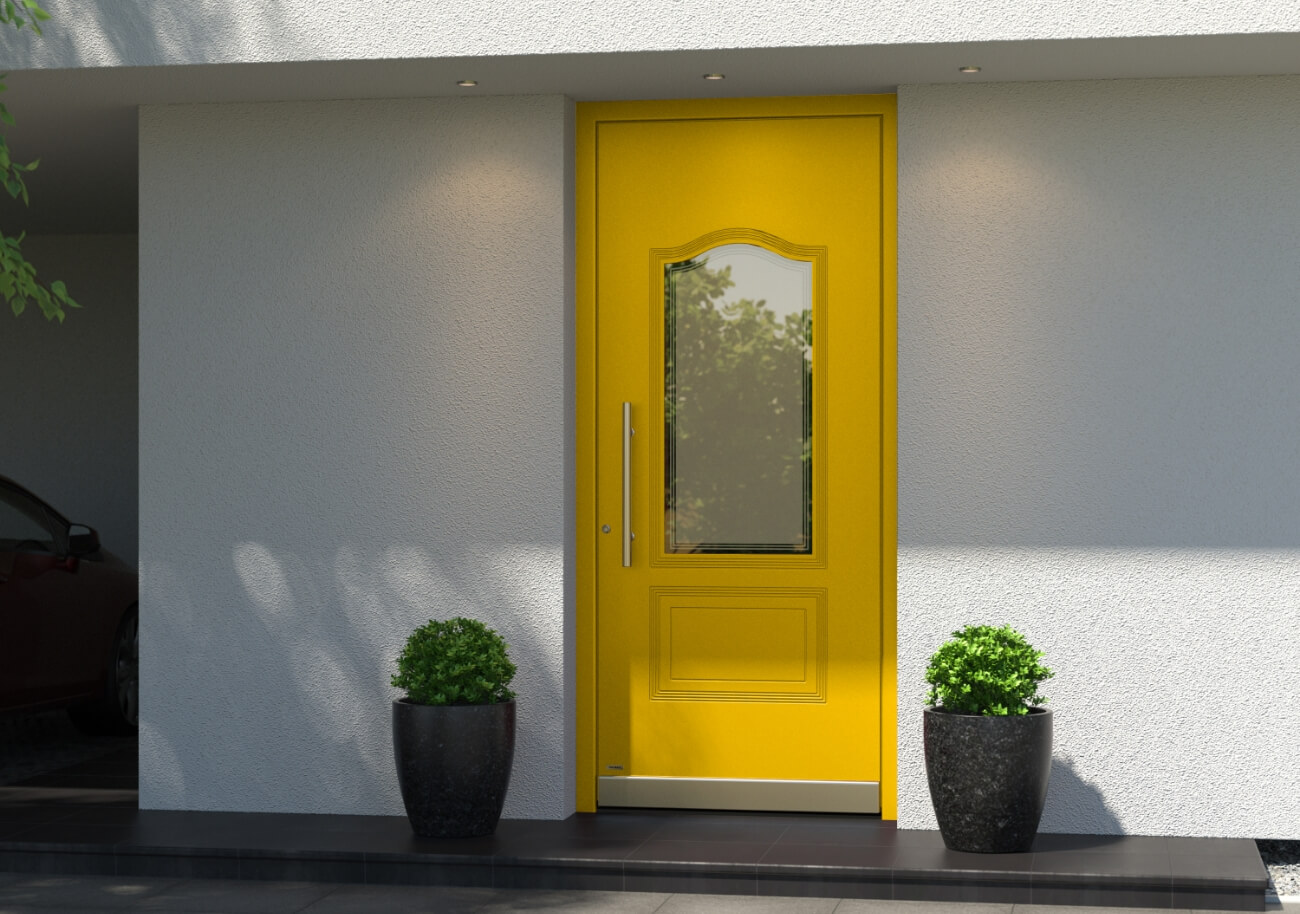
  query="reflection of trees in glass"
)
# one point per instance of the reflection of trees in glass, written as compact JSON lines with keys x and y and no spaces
{"x":738,"y":418}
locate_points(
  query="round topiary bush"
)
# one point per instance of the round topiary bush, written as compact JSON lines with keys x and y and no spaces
{"x":457,"y":662}
{"x":986,"y":670}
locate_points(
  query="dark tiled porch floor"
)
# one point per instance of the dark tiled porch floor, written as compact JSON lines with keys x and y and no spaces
{"x":83,"y":820}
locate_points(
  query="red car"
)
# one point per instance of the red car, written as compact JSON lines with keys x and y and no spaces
{"x":69,"y":618}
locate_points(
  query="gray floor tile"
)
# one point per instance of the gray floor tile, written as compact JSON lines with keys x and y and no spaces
{"x":401,"y":899}
{"x":1083,"y":909}
{"x":64,"y":892}
{"x":854,"y":906}
{"x":745,"y":904}
{"x":231,"y":896}
{"x":29,"y":909}
{"x":1226,"y":847}
{"x":575,"y":902}
{"x":720,"y":828}
{"x":731,"y":852}
{"x":1225,"y":869}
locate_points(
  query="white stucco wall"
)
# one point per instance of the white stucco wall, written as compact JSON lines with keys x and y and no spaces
{"x":145,"y":33}
{"x":68,"y":391}
{"x":1099,"y":433}
{"x":356,"y":378}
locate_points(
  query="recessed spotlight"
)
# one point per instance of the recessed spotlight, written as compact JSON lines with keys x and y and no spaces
{"x":467,"y":83}
{"x":968,"y":69}
{"x":715,"y":76}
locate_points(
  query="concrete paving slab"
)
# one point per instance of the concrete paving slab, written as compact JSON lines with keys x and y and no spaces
{"x":65,"y":892}
{"x":746,"y":904}
{"x":231,"y":896}
{"x":508,"y":901}
{"x":401,"y":899}
{"x":863,"y":906}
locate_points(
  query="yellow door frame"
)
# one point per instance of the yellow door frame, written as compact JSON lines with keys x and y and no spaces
{"x":589,"y":115}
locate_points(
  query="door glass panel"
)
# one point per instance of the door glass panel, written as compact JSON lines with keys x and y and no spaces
{"x":738,"y":402}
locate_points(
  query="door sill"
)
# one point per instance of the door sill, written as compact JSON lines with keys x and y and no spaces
{"x":740,"y":794}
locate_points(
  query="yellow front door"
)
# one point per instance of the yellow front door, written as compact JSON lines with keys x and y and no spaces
{"x":735,"y":290}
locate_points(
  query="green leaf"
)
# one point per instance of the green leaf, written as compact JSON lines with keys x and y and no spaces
{"x":34,"y":8}
{"x":986,"y":670}
{"x":460,"y":661}
{"x":19,"y":305}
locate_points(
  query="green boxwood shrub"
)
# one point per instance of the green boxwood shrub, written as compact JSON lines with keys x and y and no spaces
{"x":457,"y":662}
{"x":986,"y":670}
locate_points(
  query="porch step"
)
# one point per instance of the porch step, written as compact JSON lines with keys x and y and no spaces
{"x":74,"y":830}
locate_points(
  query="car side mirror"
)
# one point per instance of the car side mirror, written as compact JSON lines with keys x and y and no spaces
{"x":82,"y":540}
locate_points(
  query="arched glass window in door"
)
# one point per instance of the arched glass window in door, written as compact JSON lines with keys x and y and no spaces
{"x":738,"y":402}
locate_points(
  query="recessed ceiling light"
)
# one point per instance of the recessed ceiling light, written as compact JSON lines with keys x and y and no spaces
{"x":715,"y":76}
{"x":968,"y":69}
{"x":467,"y":83}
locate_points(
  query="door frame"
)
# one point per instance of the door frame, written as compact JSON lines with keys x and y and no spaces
{"x":589,"y":116}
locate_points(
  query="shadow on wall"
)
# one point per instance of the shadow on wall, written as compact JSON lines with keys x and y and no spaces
{"x":130,"y":34}
{"x":305,"y":699}
{"x":1075,"y":805}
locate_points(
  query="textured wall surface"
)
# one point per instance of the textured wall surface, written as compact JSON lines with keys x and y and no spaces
{"x":68,"y":391}
{"x":1099,"y":432}
{"x":355,"y":369}
{"x":144,"y":33}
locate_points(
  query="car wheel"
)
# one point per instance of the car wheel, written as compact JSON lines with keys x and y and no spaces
{"x":117,"y":711}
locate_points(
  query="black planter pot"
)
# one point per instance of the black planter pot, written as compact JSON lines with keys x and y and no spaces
{"x":988,"y":778}
{"x":453,"y":765}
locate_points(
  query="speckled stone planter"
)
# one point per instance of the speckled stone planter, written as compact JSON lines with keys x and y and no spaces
{"x":988,"y":778}
{"x":453,"y":765}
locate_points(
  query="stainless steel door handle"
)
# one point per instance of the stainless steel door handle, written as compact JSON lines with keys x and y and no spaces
{"x":627,"y":484}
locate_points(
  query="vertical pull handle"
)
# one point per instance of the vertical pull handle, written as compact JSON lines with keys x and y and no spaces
{"x":627,"y":485}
